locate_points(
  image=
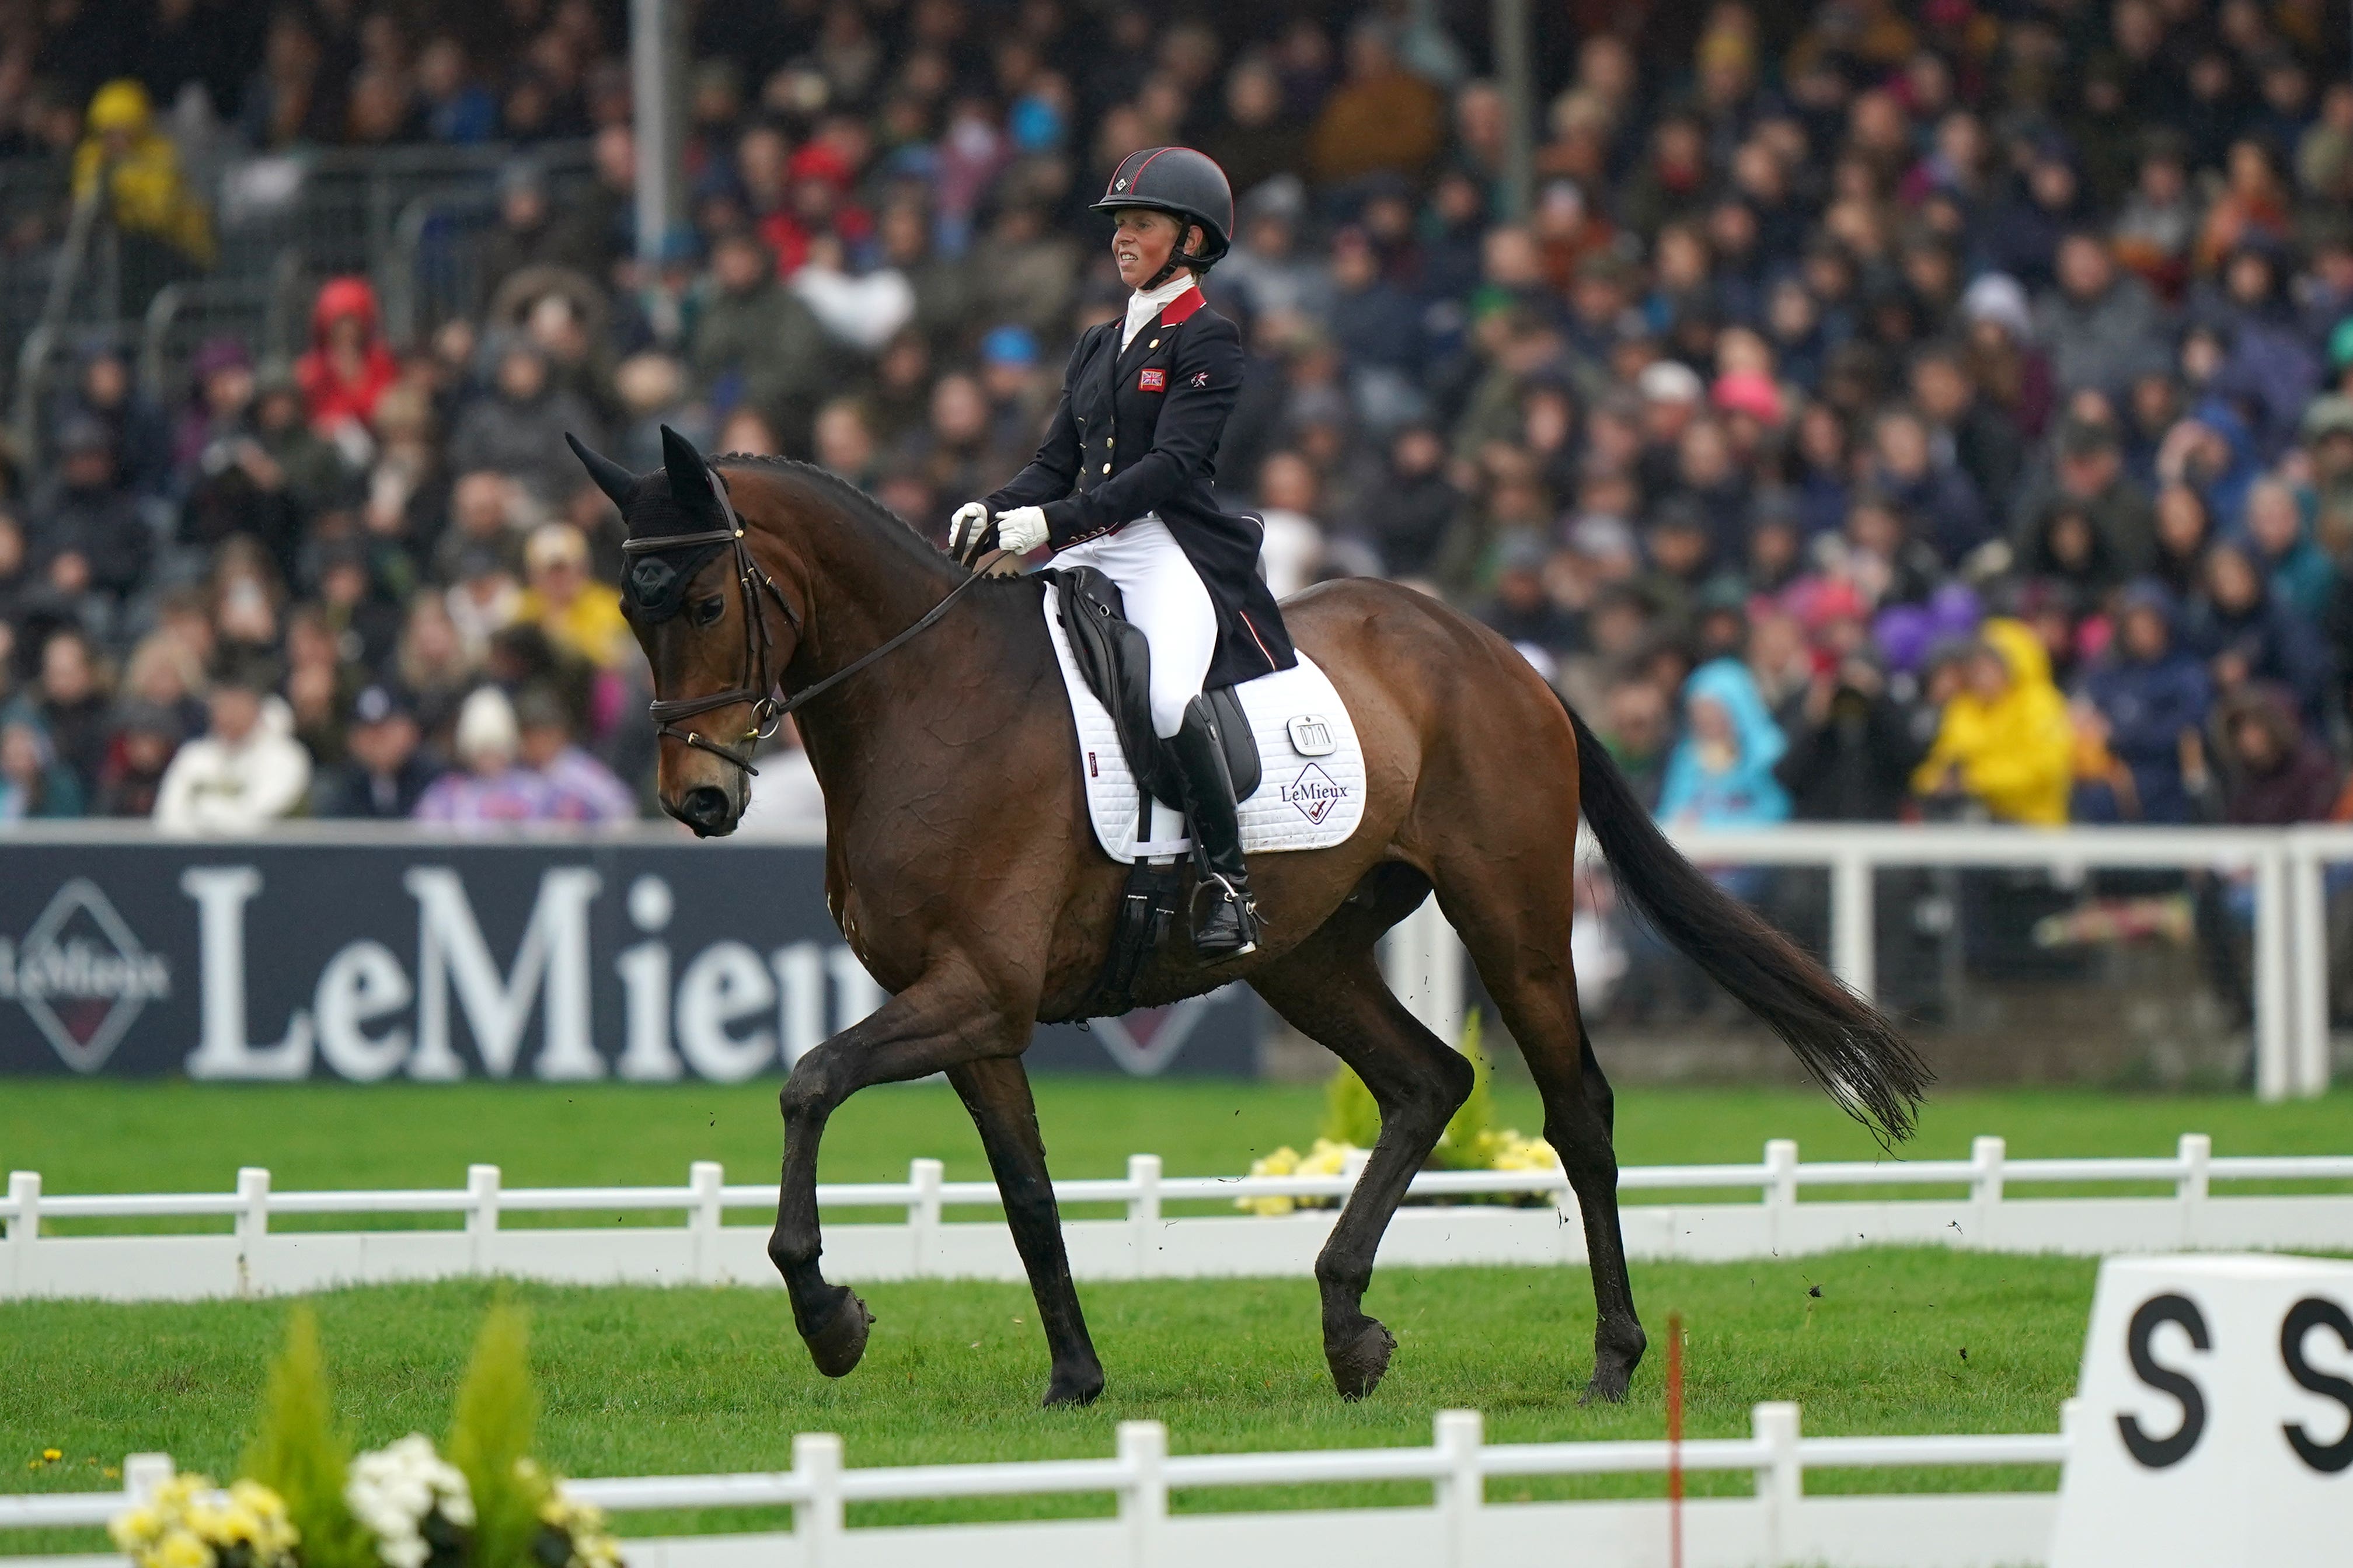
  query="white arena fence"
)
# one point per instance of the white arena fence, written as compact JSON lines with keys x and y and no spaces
{"x":2290,"y":947}
{"x":1977,"y":1210}
{"x":1779,"y":1524}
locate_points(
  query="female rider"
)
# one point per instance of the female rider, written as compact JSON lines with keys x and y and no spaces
{"x":1123,"y":484}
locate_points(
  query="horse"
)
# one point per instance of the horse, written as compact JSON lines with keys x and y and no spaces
{"x":960,"y":872}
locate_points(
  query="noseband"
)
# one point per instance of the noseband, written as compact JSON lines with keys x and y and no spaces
{"x":755,"y":685}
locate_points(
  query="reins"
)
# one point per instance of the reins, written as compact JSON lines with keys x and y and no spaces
{"x":755,"y":686}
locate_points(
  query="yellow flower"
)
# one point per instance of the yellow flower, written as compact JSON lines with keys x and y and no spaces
{"x":1282,"y":1163}
{"x":112,"y":1473}
{"x":180,"y":1549}
{"x":52,"y":1455}
{"x":134,"y":1528}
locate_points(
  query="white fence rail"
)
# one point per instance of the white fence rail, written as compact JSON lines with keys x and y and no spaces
{"x":253,"y":1258}
{"x":1777,"y":1525}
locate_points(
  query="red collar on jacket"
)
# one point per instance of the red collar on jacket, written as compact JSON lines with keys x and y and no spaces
{"x":1178,"y":310}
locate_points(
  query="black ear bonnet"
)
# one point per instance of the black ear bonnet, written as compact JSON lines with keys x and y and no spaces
{"x":686,"y":498}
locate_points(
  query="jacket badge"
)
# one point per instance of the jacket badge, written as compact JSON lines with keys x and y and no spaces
{"x":1200,"y":378}
{"x":1155,"y":380}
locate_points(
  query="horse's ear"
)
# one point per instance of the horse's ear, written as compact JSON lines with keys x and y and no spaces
{"x":690,"y":476}
{"x":619,"y":484}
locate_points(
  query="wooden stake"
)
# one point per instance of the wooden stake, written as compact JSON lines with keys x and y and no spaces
{"x":1674,"y":1440}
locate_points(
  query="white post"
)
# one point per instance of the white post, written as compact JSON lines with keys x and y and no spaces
{"x":705,"y":1177}
{"x":2308,"y":931}
{"x":1422,"y":959}
{"x":145,"y":1475}
{"x":1780,"y":1188}
{"x":818,"y":1523}
{"x":1144,"y":1493}
{"x":2196,"y":1152}
{"x":252,"y":1221}
{"x":1853,"y":923}
{"x":481,"y":1216}
{"x":1986,"y":1158}
{"x":23,"y":1228}
{"x":1457,"y":1435}
{"x":923,"y":1215}
{"x":657,"y":75}
{"x":1781,"y":1482}
{"x":1143,"y":1216}
{"x":2274,"y":1043}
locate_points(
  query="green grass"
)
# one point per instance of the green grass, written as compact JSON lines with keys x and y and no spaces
{"x":171,"y":1136}
{"x":640,"y":1380}
{"x":691,"y":1380}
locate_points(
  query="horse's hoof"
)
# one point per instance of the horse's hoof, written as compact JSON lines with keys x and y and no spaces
{"x":1358,"y":1364}
{"x":838,"y":1342}
{"x":1074,"y":1388}
{"x":1609,"y":1385}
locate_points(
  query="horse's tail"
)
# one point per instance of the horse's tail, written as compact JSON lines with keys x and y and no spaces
{"x":1850,"y":1047}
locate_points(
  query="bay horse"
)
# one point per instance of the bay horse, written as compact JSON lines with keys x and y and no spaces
{"x":961,"y":869}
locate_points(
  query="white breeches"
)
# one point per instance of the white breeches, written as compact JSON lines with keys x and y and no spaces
{"x":1167,"y":602}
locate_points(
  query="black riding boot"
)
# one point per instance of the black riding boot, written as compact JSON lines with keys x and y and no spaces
{"x":1228,"y":929}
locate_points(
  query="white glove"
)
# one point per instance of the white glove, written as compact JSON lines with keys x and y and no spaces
{"x":1022,"y":529}
{"x":965,"y":528}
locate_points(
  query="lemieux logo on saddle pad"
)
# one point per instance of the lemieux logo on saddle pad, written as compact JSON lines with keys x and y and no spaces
{"x":1313,"y":792}
{"x":1153,"y":380}
{"x":1311,"y":735}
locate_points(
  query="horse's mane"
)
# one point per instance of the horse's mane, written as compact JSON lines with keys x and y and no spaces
{"x":861,"y":507}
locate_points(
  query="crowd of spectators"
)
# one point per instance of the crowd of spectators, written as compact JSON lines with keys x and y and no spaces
{"x":1882,"y":408}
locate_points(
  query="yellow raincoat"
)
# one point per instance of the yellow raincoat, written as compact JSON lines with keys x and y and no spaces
{"x":142,"y":168}
{"x":2016,"y":754}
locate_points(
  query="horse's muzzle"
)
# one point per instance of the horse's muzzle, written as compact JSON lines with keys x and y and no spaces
{"x":707,"y":809}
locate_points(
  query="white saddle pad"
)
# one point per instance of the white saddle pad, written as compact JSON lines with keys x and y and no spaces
{"x":1311,"y":790}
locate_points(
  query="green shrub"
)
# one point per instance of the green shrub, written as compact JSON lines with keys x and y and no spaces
{"x":1351,"y":1115}
{"x":298,"y":1453}
{"x":489,"y":1441}
{"x":1460,"y":1147}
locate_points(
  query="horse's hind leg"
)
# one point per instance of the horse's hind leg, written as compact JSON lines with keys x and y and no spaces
{"x":1330,"y":988}
{"x":996,"y":1091}
{"x":1514,"y":919}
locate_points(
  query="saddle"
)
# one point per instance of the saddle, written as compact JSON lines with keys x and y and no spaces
{"x":1116,"y":663}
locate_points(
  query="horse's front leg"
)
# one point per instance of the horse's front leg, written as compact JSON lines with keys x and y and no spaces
{"x":944,"y":1020}
{"x":996,"y":1092}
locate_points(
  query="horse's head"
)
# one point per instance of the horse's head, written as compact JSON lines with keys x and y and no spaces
{"x":714,"y":628}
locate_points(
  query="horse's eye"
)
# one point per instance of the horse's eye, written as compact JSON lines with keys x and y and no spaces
{"x":708,"y":611}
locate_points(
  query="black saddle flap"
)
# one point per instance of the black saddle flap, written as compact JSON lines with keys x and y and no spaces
{"x":1116,"y":664}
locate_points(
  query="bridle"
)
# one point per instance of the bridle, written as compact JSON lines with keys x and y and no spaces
{"x":755,"y":685}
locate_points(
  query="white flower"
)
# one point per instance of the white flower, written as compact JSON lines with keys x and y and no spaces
{"x":396,"y":1488}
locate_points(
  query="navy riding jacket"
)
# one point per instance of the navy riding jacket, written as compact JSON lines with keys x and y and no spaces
{"x":1137,"y":432}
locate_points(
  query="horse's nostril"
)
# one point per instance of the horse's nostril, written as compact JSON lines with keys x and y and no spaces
{"x":704,"y":808}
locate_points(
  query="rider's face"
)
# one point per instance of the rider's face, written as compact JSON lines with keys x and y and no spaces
{"x":1141,"y":243}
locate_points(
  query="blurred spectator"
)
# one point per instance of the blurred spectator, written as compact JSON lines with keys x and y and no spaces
{"x":576,"y":615}
{"x":2268,"y":772}
{"x":754,"y":342}
{"x":2004,"y":743}
{"x":71,"y":706}
{"x":1852,"y":748}
{"x":1721,"y":774}
{"x":2148,"y":701}
{"x":1381,"y":118}
{"x":347,"y":366}
{"x":492,"y":787}
{"x":244,"y":773}
{"x":90,"y":541}
{"x":139,"y":167}
{"x":146,"y":735}
{"x":2248,"y":635}
{"x":386,"y":769}
{"x":576,"y":787}
{"x":33,"y":783}
{"x":517,"y":427}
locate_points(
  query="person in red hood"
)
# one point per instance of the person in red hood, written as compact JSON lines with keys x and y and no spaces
{"x":348,"y":367}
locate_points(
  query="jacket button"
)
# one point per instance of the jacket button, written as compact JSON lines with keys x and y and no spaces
{"x":1153,"y":344}
{"x":1106,"y":467}
{"x":1110,"y":441}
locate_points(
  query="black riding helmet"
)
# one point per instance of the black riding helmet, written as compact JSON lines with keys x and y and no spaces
{"x":1187,"y":185}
